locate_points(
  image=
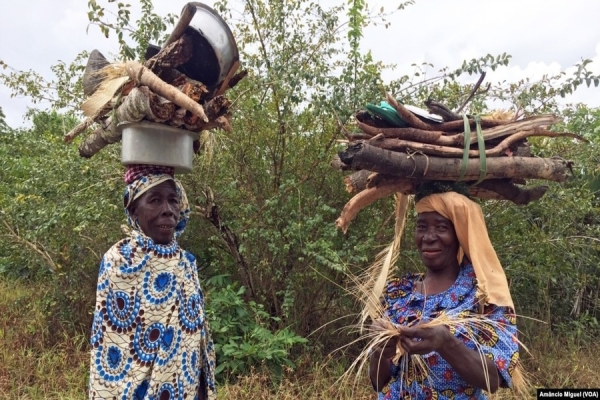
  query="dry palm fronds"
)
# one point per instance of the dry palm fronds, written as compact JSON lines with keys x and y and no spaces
{"x":372,"y":282}
{"x":106,"y":92}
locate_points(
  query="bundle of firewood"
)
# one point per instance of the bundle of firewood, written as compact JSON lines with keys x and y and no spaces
{"x":495,"y":162}
{"x":154,"y":91}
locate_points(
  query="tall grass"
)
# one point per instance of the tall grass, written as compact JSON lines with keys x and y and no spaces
{"x":39,"y":359}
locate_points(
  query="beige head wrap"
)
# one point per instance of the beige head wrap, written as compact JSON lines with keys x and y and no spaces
{"x":472,"y":234}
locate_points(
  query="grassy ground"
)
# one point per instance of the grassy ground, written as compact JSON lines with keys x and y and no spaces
{"x":41,"y":362}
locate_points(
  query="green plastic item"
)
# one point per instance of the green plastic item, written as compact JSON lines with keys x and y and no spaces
{"x":387,"y":113}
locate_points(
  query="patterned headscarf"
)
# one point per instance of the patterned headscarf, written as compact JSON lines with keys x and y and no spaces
{"x":469,"y":224}
{"x":139,"y":178}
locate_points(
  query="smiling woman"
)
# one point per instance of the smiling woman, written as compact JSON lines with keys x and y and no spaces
{"x":454,"y":326}
{"x":150,"y":338}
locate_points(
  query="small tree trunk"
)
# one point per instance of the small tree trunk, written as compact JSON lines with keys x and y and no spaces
{"x":357,"y":181}
{"x":421,"y":167}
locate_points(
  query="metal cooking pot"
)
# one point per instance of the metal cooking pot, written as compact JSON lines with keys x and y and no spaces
{"x":215,"y":50}
{"x":147,"y":142}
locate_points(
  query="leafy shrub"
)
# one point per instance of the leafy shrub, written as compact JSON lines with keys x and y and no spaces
{"x":241,"y":332}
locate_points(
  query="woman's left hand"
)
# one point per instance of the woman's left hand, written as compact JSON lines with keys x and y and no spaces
{"x":415,"y":340}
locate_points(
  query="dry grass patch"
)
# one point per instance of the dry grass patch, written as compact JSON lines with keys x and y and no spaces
{"x":37,"y":362}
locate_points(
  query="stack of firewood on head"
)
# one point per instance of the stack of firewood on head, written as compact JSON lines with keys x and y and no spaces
{"x":156,"y":91}
{"x":494,"y":163}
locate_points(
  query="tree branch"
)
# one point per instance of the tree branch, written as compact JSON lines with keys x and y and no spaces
{"x":38,"y":248}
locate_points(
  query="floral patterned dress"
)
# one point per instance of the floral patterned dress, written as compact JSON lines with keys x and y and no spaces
{"x":496,"y":338}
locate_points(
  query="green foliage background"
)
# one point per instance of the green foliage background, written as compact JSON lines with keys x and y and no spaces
{"x":286,"y":279}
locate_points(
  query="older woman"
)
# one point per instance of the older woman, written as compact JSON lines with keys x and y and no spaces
{"x":464,"y":281}
{"x":150,"y":338}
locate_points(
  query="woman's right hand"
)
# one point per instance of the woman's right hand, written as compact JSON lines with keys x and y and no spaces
{"x":386,"y":349}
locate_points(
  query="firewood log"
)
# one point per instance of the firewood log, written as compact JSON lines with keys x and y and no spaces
{"x":446,"y":151}
{"x":420,"y":166}
{"x":140,"y":104}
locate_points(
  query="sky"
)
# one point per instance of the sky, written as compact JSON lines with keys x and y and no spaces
{"x":543,"y":37}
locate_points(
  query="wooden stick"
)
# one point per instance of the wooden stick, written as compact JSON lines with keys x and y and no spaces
{"x":408,"y":117}
{"x":237,"y":78}
{"x":173,"y":55}
{"x":423,"y":167}
{"x":366,"y":197}
{"x":501,"y":130}
{"x":440,"y":138}
{"x":414,"y":134}
{"x":446,"y":151}
{"x":473,"y":91}
{"x":80,"y":128}
{"x":225,"y":84}
{"x":459,"y":125}
{"x":534,"y":122}
{"x":138,"y":73}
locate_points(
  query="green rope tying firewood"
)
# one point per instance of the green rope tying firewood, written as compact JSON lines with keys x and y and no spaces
{"x":467,"y":144}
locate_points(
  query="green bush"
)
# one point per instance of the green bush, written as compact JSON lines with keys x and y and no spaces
{"x":242,"y":332}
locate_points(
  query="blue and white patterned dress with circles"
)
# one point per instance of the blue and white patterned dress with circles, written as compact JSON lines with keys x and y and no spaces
{"x":159,"y":287}
{"x":136,"y":391}
{"x":191,"y":312}
{"x":112,"y":363}
{"x":149,"y":313}
{"x":191,"y":366}
{"x":122,"y":309}
{"x":169,"y":346}
{"x":96,"y":328}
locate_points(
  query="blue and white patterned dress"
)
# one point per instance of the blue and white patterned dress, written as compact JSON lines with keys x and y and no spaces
{"x":150,"y":338}
{"x":497,"y":339}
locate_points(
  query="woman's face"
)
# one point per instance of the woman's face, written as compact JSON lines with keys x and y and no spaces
{"x":157,"y":211}
{"x":436,"y":240}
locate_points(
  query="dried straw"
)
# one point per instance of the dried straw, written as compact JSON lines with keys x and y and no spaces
{"x":371,"y":283}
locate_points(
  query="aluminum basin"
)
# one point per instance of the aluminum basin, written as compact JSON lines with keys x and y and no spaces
{"x":152,"y":143}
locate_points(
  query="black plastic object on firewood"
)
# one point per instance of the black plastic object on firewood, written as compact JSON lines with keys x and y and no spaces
{"x":215,"y":50}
